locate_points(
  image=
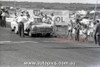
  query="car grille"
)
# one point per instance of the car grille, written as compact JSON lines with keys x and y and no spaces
{"x":44,"y":30}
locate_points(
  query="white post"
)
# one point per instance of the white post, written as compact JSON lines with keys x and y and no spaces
{"x":95,"y":9}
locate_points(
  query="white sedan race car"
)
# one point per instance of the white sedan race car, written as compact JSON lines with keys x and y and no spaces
{"x":39,"y":27}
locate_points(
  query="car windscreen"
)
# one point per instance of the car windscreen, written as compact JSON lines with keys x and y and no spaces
{"x":38,"y":20}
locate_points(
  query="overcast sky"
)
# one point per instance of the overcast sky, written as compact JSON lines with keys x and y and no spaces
{"x":60,"y":1}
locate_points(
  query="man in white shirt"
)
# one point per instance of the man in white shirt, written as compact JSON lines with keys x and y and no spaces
{"x":20,"y":21}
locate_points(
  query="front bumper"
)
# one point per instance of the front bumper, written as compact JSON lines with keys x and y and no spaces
{"x":42,"y":30}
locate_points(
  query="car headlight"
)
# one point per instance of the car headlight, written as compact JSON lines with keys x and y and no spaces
{"x":34,"y":28}
{"x":52,"y":27}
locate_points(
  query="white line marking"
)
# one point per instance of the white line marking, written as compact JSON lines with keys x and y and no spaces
{"x":1,"y":42}
{"x":4,"y":42}
{"x":24,"y":42}
{"x":18,"y":42}
{"x":30,"y":41}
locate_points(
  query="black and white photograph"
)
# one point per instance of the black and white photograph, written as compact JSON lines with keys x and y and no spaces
{"x":49,"y":33}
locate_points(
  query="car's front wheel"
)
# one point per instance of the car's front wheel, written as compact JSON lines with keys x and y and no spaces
{"x":15,"y":30}
{"x":48,"y":35}
{"x":30,"y":34}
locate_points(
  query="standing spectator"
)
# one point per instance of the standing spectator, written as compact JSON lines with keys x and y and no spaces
{"x":97,"y":34}
{"x":53,"y":24}
{"x":26,"y":17}
{"x":85,"y":33}
{"x":77,"y":29}
{"x":94,"y":29}
{"x":20,"y":25}
{"x":52,"y":19}
{"x":70,"y":29}
{"x":0,"y":18}
{"x":3,"y":19}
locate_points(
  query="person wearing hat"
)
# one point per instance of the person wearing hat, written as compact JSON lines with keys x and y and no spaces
{"x":97,"y":33}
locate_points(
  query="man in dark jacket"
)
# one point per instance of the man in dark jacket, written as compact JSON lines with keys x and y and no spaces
{"x":3,"y":18}
{"x":77,"y":30}
{"x":97,"y":33}
{"x":0,"y":18}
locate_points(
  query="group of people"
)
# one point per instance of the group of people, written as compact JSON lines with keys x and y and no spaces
{"x":47,"y":18}
{"x":79,"y":28}
{"x":74,"y":27}
{"x":21,"y":19}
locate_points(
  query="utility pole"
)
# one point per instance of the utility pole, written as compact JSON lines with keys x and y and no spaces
{"x":95,"y":9}
{"x":14,"y":4}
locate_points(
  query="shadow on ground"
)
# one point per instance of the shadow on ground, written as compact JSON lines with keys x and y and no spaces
{"x":73,"y":47}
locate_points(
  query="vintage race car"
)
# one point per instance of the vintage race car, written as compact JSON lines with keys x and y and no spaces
{"x":38,"y":27}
